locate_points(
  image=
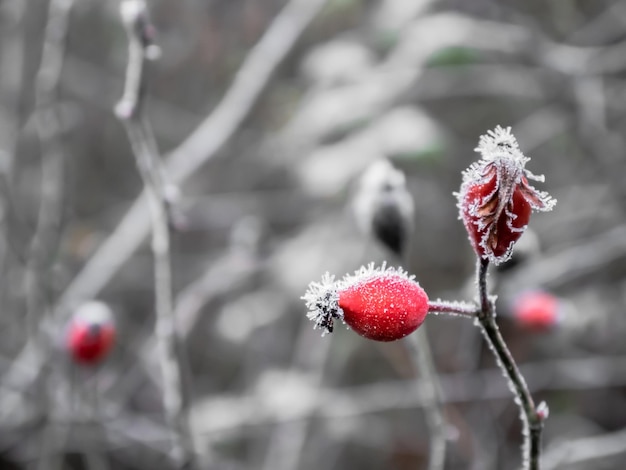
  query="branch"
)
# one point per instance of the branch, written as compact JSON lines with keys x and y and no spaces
{"x":200,"y":146}
{"x":130,"y":111}
{"x":12,"y":91}
{"x":429,"y":387}
{"x":197,"y":149}
{"x":286,"y":442}
{"x":532,"y":416}
{"x":421,"y":354}
{"x":49,"y":219}
{"x":458,"y":309}
{"x":48,"y":126}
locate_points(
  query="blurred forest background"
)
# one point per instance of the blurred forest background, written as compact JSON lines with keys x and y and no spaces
{"x":266,"y":113}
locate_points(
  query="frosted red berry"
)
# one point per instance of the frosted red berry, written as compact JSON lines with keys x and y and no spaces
{"x":91,"y":333}
{"x":536,"y":311}
{"x":496,"y":199}
{"x":382,"y":304}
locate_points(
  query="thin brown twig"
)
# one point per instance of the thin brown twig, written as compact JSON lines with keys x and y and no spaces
{"x":130,"y":110}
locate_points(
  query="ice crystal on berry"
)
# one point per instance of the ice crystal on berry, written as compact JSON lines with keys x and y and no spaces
{"x":496,"y":199}
{"x":371,"y":270}
{"x":493,"y":143}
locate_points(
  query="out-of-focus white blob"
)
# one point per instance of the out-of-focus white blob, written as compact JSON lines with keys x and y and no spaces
{"x":239,"y":319}
{"x":329,"y":169}
{"x":394,"y":15}
{"x":293,"y":398}
{"x":94,"y":312}
{"x":424,"y":37}
{"x":337,"y":62}
{"x":406,"y":130}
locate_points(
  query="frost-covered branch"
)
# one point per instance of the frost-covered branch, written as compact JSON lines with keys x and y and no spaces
{"x":532,"y":416}
{"x":459,"y":309}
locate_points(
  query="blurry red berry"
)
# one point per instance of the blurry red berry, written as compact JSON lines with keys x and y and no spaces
{"x":537,"y":311}
{"x":382,"y":304}
{"x":91,"y":333}
{"x":495,"y":199}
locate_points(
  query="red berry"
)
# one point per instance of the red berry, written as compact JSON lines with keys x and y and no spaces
{"x":536,"y":310}
{"x":385,"y":307}
{"x":495,"y":199}
{"x":91,"y":333}
{"x":382,"y":304}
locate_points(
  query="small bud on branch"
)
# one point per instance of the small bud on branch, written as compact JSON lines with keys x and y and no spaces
{"x":384,"y":207}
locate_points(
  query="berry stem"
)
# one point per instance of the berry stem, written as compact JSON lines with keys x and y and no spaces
{"x":531,"y":419}
{"x":461,"y":309}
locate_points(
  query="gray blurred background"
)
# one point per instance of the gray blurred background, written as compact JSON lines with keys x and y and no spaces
{"x":266,"y":191}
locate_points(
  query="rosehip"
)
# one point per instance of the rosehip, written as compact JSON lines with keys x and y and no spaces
{"x":91,"y":333}
{"x":496,"y":200}
{"x":384,"y":207}
{"x":536,"y":310}
{"x":382,"y":304}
